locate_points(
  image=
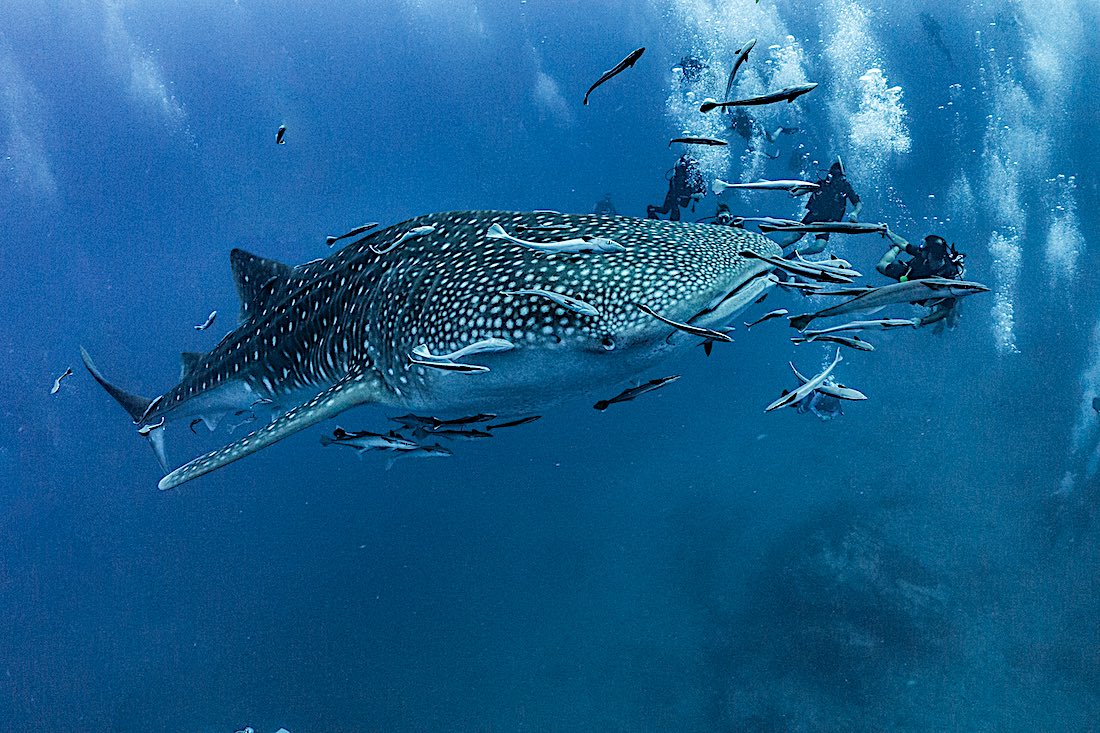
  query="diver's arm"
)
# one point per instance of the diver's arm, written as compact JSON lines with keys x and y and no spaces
{"x":854,"y":216}
{"x":899,"y":245}
{"x":939,"y":312}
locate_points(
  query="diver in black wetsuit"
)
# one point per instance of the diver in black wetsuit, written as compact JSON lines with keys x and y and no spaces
{"x":827,"y":203}
{"x":684,"y":188}
{"x":605,"y":206}
{"x":934,"y":257}
{"x":692,"y":68}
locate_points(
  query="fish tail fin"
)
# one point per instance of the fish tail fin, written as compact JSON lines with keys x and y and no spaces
{"x":136,"y":406}
{"x":355,"y":388}
{"x":801,"y":322}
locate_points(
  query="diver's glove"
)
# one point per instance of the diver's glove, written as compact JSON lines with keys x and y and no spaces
{"x":852,"y":218}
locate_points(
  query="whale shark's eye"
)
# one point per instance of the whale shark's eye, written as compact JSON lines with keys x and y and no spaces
{"x":607,"y":343}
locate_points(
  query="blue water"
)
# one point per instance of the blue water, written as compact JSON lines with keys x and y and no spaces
{"x":929,"y":561}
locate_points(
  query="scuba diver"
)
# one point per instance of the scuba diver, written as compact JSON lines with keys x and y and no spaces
{"x":723,"y":217}
{"x":934,"y":257}
{"x":605,"y":206}
{"x":744,"y":125}
{"x":691,"y":68}
{"x":821,"y":406}
{"x":827,"y":203}
{"x":684,"y":188}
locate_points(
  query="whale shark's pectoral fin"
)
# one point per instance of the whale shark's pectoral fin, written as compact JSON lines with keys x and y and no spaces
{"x":354,"y":389}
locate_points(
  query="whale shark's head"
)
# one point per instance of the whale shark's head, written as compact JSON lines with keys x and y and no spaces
{"x":448,"y":290}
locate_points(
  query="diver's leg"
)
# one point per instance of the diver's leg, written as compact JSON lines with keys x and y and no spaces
{"x":785,"y":239}
{"x":817,"y":247}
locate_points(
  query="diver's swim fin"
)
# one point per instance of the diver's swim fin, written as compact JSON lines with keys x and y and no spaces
{"x":354,"y":389}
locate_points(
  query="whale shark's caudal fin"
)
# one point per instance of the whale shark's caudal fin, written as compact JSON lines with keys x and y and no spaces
{"x":135,"y":405}
{"x":354,"y":389}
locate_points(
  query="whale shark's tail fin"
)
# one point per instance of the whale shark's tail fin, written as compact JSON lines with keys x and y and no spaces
{"x":136,"y":406}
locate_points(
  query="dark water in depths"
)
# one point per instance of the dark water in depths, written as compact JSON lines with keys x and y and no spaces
{"x":685,"y":562}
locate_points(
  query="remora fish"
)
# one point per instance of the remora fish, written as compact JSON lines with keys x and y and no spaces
{"x":351,"y":233}
{"x":810,"y":385}
{"x":411,"y":234}
{"x":829,"y":227}
{"x":742,"y":57}
{"x":697,"y":141}
{"x":708,"y":344}
{"x":329,"y":336}
{"x":449,"y":366}
{"x":794,"y":188}
{"x":483,"y":346}
{"x":453,"y":433}
{"x":279,"y":135}
{"x":57,"y":382}
{"x":788,"y":94}
{"x":910,"y":291}
{"x":852,"y":342}
{"x":777,"y":313}
{"x":514,"y":423}
{"x":363,"y":441}
{"x":616,"y":70}
{"x":635,"y":392}
{"x":803,"y":269}
{"x":831,"y":387}
{"x":565,"y":301}
{"x":882,"y":324}
{"x":579,"y":245}
{"x":706,"y":333}
{"x":739,"y":220}
{"x":208,"y":322}
{"x":414,"y":422}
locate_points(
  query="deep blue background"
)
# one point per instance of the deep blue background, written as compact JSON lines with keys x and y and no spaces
{"x":655,"y":567}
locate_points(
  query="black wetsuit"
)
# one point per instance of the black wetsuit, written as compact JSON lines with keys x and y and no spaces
{"x":687,"y":181}
{"x":923,"y":265}
{"x":830,"y":201}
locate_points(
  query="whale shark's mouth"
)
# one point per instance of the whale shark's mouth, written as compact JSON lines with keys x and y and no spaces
{"x":718,"y":305}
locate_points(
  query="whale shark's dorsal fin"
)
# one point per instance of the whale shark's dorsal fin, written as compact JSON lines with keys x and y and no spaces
{"x":257,"y":279}
{"x":188,"y":361}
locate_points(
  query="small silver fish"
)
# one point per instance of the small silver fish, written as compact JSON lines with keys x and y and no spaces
{"x":279,"y":135}
{"x":810,"y":270}
{"x":852,"y":342}
{"x":411,"y":234}
{"x":793,"y":187}
{"x":882,"y":324}
{"x":514,"y":423}
{"x":565,"y":301}
{"x":580,"y":245}
{"x":777,"y":313}
{"x":145,"y":430}
{"x":787,"y":94}
{"x":449,"y":366}
{"x":421,"y":451}
{"x":697,"y":141}
{"x":484,"y":346}
{"x":615,"y":70}
{"x":810,"y":385}
{"x":831,"y":387}
{"x":453,"y":433}
{"x":742,"y":57}
{"x":57,"y":382}
{"x":351,"y":233}
{"x":363,"y":441}
{"x":635,"y":392}
{"x":699,"y":331}
{"x":812,"y":288}
{"x":208,"y":322}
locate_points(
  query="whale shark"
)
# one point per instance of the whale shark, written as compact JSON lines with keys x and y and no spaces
{"x":323,"y":337}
